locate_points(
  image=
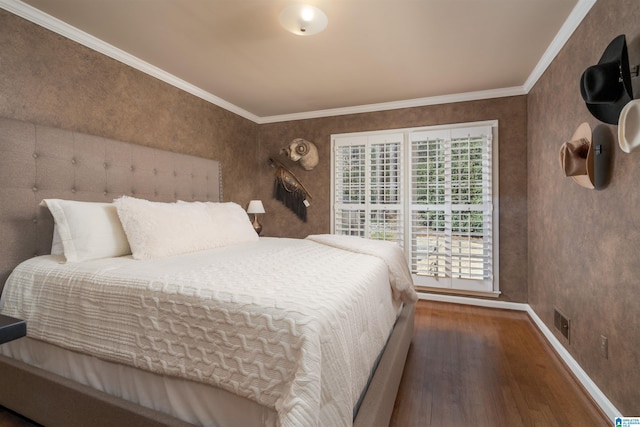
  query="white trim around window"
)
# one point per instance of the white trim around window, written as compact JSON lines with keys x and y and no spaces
{"x":433,"y":191}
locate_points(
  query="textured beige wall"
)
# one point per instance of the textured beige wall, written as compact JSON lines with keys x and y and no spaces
{"x":584,"y":245}
{"x":511,"y":114}
{"x":48,"y":79}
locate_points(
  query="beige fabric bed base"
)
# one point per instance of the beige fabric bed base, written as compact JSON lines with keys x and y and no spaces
{"x":52,"y":400}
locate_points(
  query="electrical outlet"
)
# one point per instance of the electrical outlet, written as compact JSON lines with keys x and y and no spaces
{"x":604,"y":346}
{"x":561,"y":322}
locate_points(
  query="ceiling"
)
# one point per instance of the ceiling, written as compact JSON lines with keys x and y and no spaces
{"x":374,"y":54}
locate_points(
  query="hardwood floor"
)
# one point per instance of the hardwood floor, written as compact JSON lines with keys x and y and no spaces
{"x":471,"y":366}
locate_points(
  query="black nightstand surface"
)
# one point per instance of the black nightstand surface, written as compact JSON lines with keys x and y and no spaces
{"x":11,"y":328}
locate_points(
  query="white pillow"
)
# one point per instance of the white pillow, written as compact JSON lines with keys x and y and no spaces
{"x":157,"y":230}
{"x":56,"y":244}
{"x":87,"y":230}
{"x":232,"y":224}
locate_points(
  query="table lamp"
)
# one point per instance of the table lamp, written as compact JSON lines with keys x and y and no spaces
{"x":255,"y":208}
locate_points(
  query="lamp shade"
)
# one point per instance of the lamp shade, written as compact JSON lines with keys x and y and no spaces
{"x":303,"y":20}
{"x":255,"y":207}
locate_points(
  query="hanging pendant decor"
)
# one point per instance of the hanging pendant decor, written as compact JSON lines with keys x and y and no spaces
{"x":290,"y":191}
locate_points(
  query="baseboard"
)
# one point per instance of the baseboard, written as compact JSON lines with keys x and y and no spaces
{"x":491,"y":303}
{"x":596,"y":394}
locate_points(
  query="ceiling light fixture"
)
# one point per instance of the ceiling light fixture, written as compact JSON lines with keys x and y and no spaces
{"x":303,"y":20}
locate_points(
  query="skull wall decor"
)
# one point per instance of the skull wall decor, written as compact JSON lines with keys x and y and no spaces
{"x":303,"y":151}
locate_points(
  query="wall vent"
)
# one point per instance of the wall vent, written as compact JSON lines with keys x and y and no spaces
{"x":561,"y":322}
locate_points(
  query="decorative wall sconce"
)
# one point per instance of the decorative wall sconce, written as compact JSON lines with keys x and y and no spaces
{"x":606,"y":86}
{"x":303,"y":151}
{"x":256,"y":207}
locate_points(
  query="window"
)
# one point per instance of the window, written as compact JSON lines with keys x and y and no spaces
{"x":430,"y":190}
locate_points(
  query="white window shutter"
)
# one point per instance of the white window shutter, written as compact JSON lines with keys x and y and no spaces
{"x":350,"y":189}
{"x":429,"y":190}
{"x":452,"y":208}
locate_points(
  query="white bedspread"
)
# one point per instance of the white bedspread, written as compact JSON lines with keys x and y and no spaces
{"x":389,"y":252}
{"x":291,"y":324}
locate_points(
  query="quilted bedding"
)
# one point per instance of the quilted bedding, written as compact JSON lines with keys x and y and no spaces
{"x":294,"y":325}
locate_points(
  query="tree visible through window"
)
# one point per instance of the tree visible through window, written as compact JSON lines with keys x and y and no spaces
{"x":429,"y":190}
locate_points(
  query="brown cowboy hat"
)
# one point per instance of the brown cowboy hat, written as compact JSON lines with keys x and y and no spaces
{"x":576,"y":157}
{"x":606,"y":87}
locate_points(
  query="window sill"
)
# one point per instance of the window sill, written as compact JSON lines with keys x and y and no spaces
{"x":449,"y":291}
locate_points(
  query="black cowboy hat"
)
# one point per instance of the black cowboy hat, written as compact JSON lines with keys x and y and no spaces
{"x":606,"y":87}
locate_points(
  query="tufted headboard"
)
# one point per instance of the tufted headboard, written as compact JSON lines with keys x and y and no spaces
{"x":39,"y":162}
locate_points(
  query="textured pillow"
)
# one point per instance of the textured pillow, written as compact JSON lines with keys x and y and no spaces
{"x":87,"y":230}
{"x":157,"y":230}
{"x":232,"y":224}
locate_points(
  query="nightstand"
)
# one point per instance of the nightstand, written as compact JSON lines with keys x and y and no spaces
{"x":11,"y":328}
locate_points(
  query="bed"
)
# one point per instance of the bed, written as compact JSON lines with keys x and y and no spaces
{"x":56,"y":380}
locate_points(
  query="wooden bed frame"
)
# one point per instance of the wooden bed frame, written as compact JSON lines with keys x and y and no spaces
{"x":38,"y":162}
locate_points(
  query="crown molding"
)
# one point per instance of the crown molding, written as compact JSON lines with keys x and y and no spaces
{"x":57,"y":26}
{"x":49,"y":22}
{"x":578,"y":13}
{"x":395,"y":105}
